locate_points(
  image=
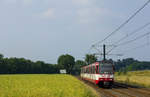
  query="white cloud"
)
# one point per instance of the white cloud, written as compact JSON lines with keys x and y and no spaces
{"x":49,"y":13}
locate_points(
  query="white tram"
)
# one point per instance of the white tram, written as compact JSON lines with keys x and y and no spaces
{"x":100,"y":73}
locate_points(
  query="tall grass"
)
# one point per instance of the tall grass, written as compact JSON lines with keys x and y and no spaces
{"x":141,"y":78}
{"x":42,"y":86}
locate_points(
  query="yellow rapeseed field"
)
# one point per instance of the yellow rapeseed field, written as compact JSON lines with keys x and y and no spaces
{"x":137,"y":77}
{"x":42,"y":86}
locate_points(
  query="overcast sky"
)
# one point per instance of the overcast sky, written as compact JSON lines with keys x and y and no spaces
{"x":45,"y":29}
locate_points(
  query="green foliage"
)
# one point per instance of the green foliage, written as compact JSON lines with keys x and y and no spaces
{"x":1,"y":56}
{"x":77,"y":67}
{"x":119,"y":64}
{"x":80,"y":63}
{"x":90,"y":58}
{"x":67,"y":62}
{"x":119,"y":73}
{"x":24,"y":66}
{"x":122,"y":71}
{"x":125,"y":71}
{"x":131,"y":65}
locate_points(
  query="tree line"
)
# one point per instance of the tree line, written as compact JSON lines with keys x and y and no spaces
{"x":130,"y":64}
{"x":24,"y":66}
{"x":68,"y":62}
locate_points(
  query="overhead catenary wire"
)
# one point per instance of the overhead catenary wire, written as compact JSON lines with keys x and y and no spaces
{"x":130,"y":41}
{"x":137,"y":38}
{"x":138,"y":47}
{"x":135,"y":31}
{"x":130,"y":34}
{"x":135,"y":48}
{"x":122,"y":25}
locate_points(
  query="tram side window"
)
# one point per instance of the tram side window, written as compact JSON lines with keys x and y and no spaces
{"x":93,"y":69}
{"x":86,"y":70}
{"x":90,"y":69}
{"x":96,"y":69}
{"x":82,"y":70}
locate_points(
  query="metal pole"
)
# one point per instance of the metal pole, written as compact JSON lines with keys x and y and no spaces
{"x":104,"y":51}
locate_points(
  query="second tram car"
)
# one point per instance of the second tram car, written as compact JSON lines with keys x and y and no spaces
{"x":100,"y":73}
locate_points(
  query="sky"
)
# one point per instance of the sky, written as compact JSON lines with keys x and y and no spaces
{"x":45,"y":29}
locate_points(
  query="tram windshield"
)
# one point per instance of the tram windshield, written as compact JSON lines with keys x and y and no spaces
{"x":106,"y":68}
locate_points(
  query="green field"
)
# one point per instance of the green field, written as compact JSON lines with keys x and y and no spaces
{"x":141,"y":78}
{"x":43,"y":86}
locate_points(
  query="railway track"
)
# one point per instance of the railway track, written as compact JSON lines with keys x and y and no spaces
{"x":136,"y":89}
{"x":119,"y":90}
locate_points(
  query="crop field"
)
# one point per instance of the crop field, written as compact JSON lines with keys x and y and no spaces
{"x":137,"y":77}
{"x":43,"y":86}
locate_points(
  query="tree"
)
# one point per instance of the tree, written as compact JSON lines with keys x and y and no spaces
{"x":77,"y":67}
{"x":66,"y":62}
{"x":80,"y":63}
{"x":90,"y":58}
{"x":124,"y":63}
{"x":1,"y":56}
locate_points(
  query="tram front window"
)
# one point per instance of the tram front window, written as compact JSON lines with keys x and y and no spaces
{"x":106,"y":68}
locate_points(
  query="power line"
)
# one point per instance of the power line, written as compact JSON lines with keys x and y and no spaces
{"x":127,"y":42}
{"x":138,"y":47}
{"x":137,"y":30}
{"x":130,"y":34}
{"x":130,"y":41}
{"x":122,"y":25}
